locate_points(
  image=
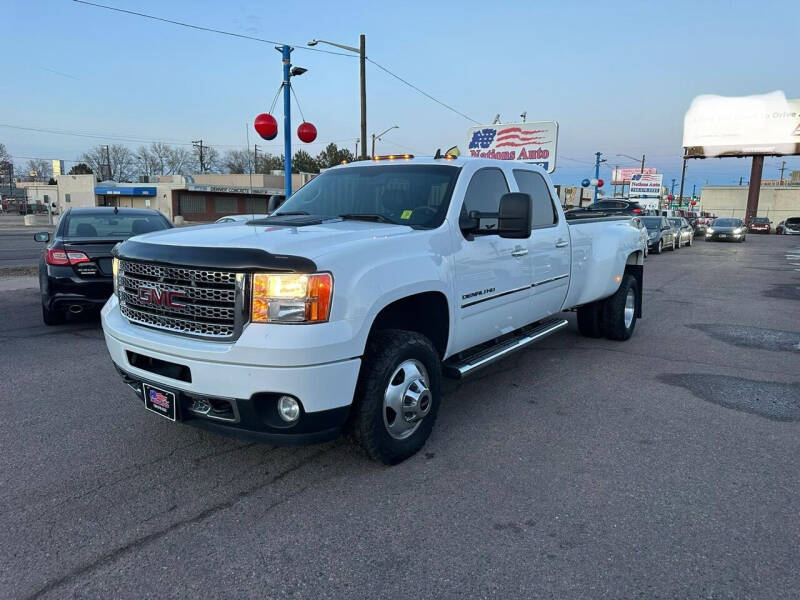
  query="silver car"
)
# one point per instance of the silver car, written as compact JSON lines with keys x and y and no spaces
{"x":684,"y":232}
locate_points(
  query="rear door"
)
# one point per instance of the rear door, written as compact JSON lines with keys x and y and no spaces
{"x":493,"y":274}
{"x":549,"y":246}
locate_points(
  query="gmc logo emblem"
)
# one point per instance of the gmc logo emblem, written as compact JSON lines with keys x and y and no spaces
{"x":163,"y":298}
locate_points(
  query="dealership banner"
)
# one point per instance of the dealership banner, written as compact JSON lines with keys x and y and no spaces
{"x":623,"y":176}
{"x":742,"y":126}
{"x":531,"y":142}
{"x":645,"y":184}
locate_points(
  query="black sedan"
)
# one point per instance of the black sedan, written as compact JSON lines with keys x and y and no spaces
{"x":75,"y":269}
{"x":604,"y":208}
{"x":727,"y":228}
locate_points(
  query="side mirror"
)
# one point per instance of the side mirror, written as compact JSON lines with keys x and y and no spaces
{"x":42,"y":236}
{"x":515,"y":215}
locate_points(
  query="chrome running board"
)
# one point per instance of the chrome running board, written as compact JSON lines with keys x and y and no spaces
{"x":469,"y":361}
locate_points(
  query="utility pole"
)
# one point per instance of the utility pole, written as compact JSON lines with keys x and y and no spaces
{"x":355,"y":155}
{"x":694,"y":187}
{"x":199,"y":145}
{"x":255,"y":158}
{"x":683,"y":177}
{"x":642,"y":171}
{"x":109,"y":174}
{"x":783,"y":168}
{"x":362,"y":57}
{"x":373,"y":145}
{"x":614,"y":175}
{"x":597,"y":161}
{"x":672,"y":189}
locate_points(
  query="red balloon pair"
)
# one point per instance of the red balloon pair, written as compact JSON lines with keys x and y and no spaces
{"x":267,"y":128}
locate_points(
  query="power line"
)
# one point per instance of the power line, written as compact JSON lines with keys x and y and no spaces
{"x":273,"y":42}
{"x":208,"y":29}
{"x":426,"y":94}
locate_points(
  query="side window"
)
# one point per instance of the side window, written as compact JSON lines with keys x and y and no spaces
{"x":532,"y":183}
{"x":483,"y":195}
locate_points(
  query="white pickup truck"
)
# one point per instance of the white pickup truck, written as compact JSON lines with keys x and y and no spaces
{"x":343,"y":310}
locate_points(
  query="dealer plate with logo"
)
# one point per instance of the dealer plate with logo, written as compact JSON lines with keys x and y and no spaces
{"x":161,"y":402}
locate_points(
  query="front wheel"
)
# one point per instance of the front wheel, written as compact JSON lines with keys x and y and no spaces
{"x":619,"y":310}
{"x":397,"y":397}
{"x":660,"y":248}
{"x":691,"y":239}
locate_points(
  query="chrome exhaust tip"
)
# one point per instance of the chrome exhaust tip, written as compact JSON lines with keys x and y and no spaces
{"x":76,"y":309}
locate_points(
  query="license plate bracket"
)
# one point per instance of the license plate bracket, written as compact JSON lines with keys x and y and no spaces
{"x":160,"y":401}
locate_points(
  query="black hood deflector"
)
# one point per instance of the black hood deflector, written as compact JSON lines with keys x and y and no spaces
{"x":234,"y":259}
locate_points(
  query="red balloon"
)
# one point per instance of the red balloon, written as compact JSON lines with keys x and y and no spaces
{"x":692,"y":202}
{"x":266,"y":126}
{"x":600,"y":183}
{"x":306,"y":132}
{"x":670,"y":197}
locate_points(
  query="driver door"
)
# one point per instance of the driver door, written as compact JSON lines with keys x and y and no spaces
{"x":492,"y":274}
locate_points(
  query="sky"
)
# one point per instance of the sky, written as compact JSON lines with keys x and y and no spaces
{"x":617,"y":76}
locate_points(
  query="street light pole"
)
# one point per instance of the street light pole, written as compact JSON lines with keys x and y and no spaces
{"x":379,"y":135}
{"x":362,"y":60}
{"x":286,"y":53}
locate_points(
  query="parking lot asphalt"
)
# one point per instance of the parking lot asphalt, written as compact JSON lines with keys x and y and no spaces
{"x":18,"y":249}
{"x":667,"y":466}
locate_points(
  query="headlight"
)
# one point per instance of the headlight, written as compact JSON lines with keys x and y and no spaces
{"x":291,"y":297}
{"x":737,"y":231}
{"x":709,"y":230}
{"x":115,"y":274}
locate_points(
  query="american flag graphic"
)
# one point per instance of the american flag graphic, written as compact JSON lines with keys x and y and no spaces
{"x":509,"y":136}
{"x":645,"y":178}
{"x":159,"y":399}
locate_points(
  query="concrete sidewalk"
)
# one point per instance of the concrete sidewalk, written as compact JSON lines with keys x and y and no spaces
{"x":18,"y":282}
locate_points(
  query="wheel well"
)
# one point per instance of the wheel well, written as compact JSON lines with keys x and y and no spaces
{"x":635,"y":258}
{"x":425,"y":313}
{"x":637,"y":270}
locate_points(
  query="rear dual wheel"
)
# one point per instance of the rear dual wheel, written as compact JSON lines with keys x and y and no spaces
{"x":614,"y":317}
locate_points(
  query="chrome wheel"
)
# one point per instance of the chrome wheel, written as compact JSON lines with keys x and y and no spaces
{"x":407,"y":399}
{"x":630,"y":308}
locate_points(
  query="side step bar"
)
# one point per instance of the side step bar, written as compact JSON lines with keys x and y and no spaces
{"x":466,"y":363}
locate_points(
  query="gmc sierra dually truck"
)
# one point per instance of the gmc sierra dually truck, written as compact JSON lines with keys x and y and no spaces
{"x":343,"y":310}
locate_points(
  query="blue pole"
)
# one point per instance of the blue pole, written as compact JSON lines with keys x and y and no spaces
{"x":286,"y":52}
{"x":596,"y":172}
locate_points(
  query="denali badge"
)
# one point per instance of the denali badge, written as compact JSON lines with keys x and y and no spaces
{"x":165,"y":298}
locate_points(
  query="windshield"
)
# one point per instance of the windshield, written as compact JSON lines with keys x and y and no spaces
{"x":677,"y":223}
{"x":652,"y":222}
{"x":415,"y":195}
{"x":727,"y":223}
{"x":113,"y":226}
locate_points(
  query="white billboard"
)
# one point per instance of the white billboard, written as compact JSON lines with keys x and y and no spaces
{"x":532,"y":142}
{"x":742,"y":126}
{"x":645,"y":184}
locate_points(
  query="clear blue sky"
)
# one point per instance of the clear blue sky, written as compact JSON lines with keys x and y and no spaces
{"x":618,"y":76}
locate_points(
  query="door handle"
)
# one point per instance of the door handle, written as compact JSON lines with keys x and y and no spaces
{"x":561,"y":243}
{"x":519,"y":251}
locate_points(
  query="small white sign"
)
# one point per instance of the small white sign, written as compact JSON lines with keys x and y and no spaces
{"x":646,"y":184}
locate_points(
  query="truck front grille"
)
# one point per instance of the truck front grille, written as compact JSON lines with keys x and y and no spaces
{"x":184,"y":300}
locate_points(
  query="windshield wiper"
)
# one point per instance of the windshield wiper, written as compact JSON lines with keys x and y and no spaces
{"x":289,"y":214}
{"x":368,"y":217}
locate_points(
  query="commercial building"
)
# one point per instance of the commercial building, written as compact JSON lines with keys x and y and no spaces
{"x":778,"y":202}
{"x":192,"y":198}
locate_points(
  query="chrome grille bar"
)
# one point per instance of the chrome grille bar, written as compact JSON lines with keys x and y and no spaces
{"x":184,"y":300}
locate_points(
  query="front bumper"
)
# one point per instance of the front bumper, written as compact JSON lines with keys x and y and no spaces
{"x":724,"y":237}
{"x":221,"y":372}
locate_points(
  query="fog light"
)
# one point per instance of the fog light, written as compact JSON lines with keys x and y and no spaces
{"x":288,"y":409}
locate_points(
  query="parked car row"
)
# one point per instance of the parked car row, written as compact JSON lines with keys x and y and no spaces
{"x":790,"y":226}
{"x":667,"y":233}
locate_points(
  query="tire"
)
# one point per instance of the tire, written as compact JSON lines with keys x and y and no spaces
{"x":660,"y":248}
{"x":406,"y":362}
{"x":618,"y":320}
{"x":53,"y":317}
{"x":590,"y":320}
{"x":691,"y":240}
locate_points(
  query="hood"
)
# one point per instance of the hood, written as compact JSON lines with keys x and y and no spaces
{"x":725,"y":229}
{"x":309,"y":241}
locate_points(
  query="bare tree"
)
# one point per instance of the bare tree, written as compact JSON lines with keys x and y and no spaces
{"x":38,"y":169}
{"x":269,"y":162}
{"x":180,"y":161}
{"x":116,"y":161}
{"x":238,"y":161}
{"x":211,"y":161}
{"x":5,"y":156}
